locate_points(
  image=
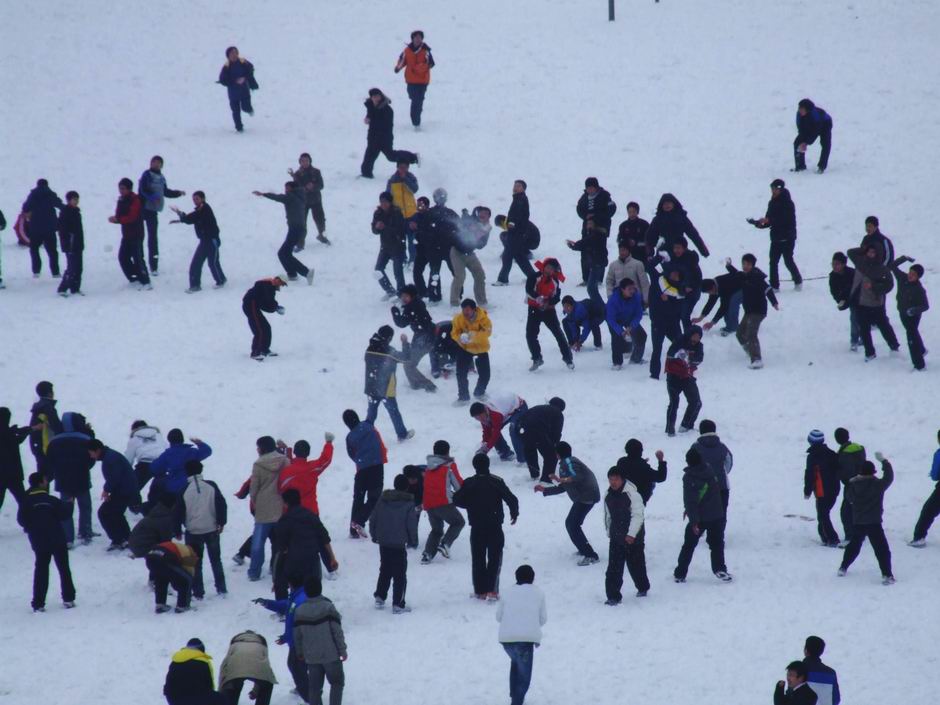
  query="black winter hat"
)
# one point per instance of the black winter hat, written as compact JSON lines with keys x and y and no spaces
{"x":196,"y":643}
{"x":634,"y":448}
{"x":386,"y":333}
{"x":481,"y":463}
{"x":557,"y":402}
{"x":400,"y":483}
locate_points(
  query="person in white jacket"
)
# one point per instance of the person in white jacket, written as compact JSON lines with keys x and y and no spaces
{"x":521,"y":615}
{"x":143,"y":447}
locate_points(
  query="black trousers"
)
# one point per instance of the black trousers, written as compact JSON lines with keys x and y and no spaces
{"x":520,"y":257}
{"x":869,"y":316}
{"x":298,"y":672}
{"x":636,"y":346}
{"x":393,"y":569}
{"x":845,"y":514}
{"x":486,"y":554}
{"x":465,"y":361}
{"x":827,"y":532}
{"x":416,"y":93}
{"x":715,"y":538}
{"x":152,"y":223}
{"x":677,"y":387}
{"x":915,"y":343}
{"x":201,"y":543}
{"x":238,"y":103}
{"x":367,"y":486}
{"x":536,"y":444}
{"x":285,"y":254}
{"x":420,"y":346}
{"x":374,"y":149}
{"x":15,"y":485}
{"x":111,"y":515}
{"x":633,"y":556}
{"x":38,"y":240}
{"x":260,"y":329}
{"x":825,"y":142}
{"x":573,"y":523}
{"x":930,"y":512}
{"x":875,"y":533}
{"x":164,"y":573}
{"x":72,"y":279}
{"x":549,"y":318}
{"x":783,"y":249}
{"x":131,"y":259}
{"x":432,"y":288}
{"x":661,"y":327}
{"x":232,"y":690}
{"x":207,"y":251}
{"x":319,"y":219}
{"x":41,"y":576}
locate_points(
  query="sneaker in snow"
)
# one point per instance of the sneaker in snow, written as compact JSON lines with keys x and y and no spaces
{"x":588,"y":560}
{"x":610,"y":602}
{"x":756,"y":364}
{"x":360,"y":531}
{"x":324,"y":239}
{"x":38,"y":609}
{"x":678,"y":579}
{"x":508,"y":457}
{"x":917,"y":543}
{"x":69,"y":604}
{"x":535,"y":365}
{"x":461,"y":402}
{"x":332,"y":574}
{"x":425,"y":559}
{"x":724,"y":332}
{"x":569,"y":365}
{"x":724,"y":576}
{"x":400,"y":609}
{"x":843,"y":543}
{"x":379,"y":603}
{"x":853,"y":347}
{"x":36,"y":276}
{"x":160,"y":609}
{"x":669,"y":433}
{"x":641,"y":593}
{"x":841,"y":572}
{"x":887,"y":580}
{"x":477,"y":596}
{"x":798,"y":287}
{"x":259,"y":357}
{"x":238,"y":559}
{"x":869,"y":358}
{"x":309,"y":277}
{"x":499,"y":283}
{"x":180,"y":610}
{"x":409,"y":434}
{"x":117,"y":546}
{"x":492,"y":597}
{"x":684,"y":429}
{"x":148,"y":287}
{"x":270,"y":353}
{"x":820,"y":170}
{"x":481,"y":397}
{"x":193,"y":289}
{"x":64,"y":294}
{"x":616,"y":368}
{"x":444,"y":550}
{"x":298,"y":248}
{"x":219,"y":286}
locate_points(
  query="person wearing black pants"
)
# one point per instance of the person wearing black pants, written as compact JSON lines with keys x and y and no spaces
{"x":682,"y":359}
{"x":931,"y":509}
{"x":152,"y":189}
{"x":207,"y":231}
{"x":912,"y":303}
{"x":380,"y":139}
{"x":120,"y":492}
{"x":543,"y":289}
{"x":11,"y":464}
{"x":541,"y":428}
{"x":170,"y":565}
{"x":295,"y":208}
{"x":258,"y":300}
{"x":781,"y":219}
{"x":131,"y":252}
{"x":702,"y":500}
{"x":41,"y":516}
{"x":626,"y":510}
{"x":812,"y":122}
{"x":822,"y":480}
{"x":40,"y":207}
{"x":624,"y":316}
{"x":576,"y":479}
{"x":394,"y":525}
{"x":111,"y":515}
{"x":866,"y":495}
{"x":367,"y":487}
{"x":72,"y":240}
{"x":238,"y":76}
{"x":470,"y":332}
{"x":393,"y":568}
{"x":201,"y":543}
{"x":519,"y":233}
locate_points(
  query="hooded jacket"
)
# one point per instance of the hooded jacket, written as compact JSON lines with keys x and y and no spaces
{"x":637,"y":471}
{"x":866,"y":494}
{"x":543,"y":291}
{"x":71,"y":232}
{"x":120,"y":482}
{"x":414,"y":315}
{"x":189,"y":677}
{"x":781,"y":217}
{"x":67,"y":456}
{"x":364,"y":446}
{"x":145,"y":445}
{"x":483,"y":496}
{"x":41,"y":204}
{"x":577,"y":480}
{"x":158,"y":526}
{"x":394,"y":521}
{"x":716,"y":456}
{"x":381,"y":122}
{"x":263,"y":489}
{"x":585,"y":315}
{"x":309,"y":175}
{"x":381,"y":360}
{"x":851,"y":457}
{"x":441,"y":480}
{"x":756,"y":292}
{"x":318,"y":632}
{"x":479,"y":329}
{"x":684,"y":356}
{"x":41,"y":516}
{"x":403,"y":190}
{"x":201,"y":508}
{"x":169,"y":468}
{"x":598,"y":211}
{"x":263,"y":295}
{"x":247,"y":658}
{"x":11,"y":464}
{"x":44,"y":412}
{"x":822,"y":472}
{"x":624,"y":314}
{"x":624,"y":511}
{"x":911,"y":297}
{"x":300,"y":535}
{"x":670,"y":226}
{"x":700,"y":495}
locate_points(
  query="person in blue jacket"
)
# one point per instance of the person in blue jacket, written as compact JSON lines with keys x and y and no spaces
{"x":120,"y":492}
{"x":582,"y":318}
{"x":365,"y":448}
{"x":238,"y":76}
{"x":288,"y":608}
{"x":169,"y":469}
{"x":40,"y":209}
{"x":153,"y":191}
{"x":812,"y":122}
{"x":624,"y":315}
{"x":931,"y":509}
{"x":68,"y":462}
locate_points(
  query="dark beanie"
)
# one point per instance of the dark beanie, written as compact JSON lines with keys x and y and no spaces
{"x":634,"y":448}
{"x":707,"y":426}
{"x":386,"y":333}
{"x":692,"y":457}
{"x":196,"y":643}
{"x":481,"y":463}
{"x":441,"y":448}
{"x":558,"y":403}
{"x":400,"y":483}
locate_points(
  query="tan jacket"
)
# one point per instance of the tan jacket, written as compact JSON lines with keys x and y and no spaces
{"x":247,"y":657}
{"x":264,"y":473}
{"x":628,"y":269}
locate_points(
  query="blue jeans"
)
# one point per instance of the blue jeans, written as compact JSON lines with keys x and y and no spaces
{"x":391,"y":405}
{"x":733,"y":314}
{"x":596,"y":278}
{"x":520,"y":672}
{"x":260,"y":535}
{"x":84,"y":516}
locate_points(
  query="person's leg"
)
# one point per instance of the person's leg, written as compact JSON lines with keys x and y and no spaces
{"x":463,"y":370}
{"x":434,"y":279}
{"x":125,"y":261}
{"x":368,"y":159}
{"x":285,"y":254}
{"x":483,"y":374}
{"x":685,"y":553}
{"x":788,"y":248}
{"x":358,"y":501}
{"x":182,"y":582}
{"x":879,"y":543}
{"x":417,"y":272}
{"x":856,"y":540}
{"x":399,"y":576}
{"x":855,"y":335}
{"x":825,"y":141}
{"x":61,"y":557}
{"x":915,"y":345}
{"x":715,"y":538}
{"x":140,"y":263}
{"x":885,"y":328}
{"x":845,"y":515}
{"x":263,"y":691}
{"x":741,"y":334}
{"x":195,"y":266}
{"x":594,"y":280}
{"x":83,"y":501}
{"x":550,"y":319}
{"x":518,"y":447}
{"x":152,"y":222}
{"x":478,"y":559}
{"x":673,"y":388}
{"x":693,"y":402}
{"x":613,"y":578}
{"x":494,"y":558}
{"x":775,"y":253}
{"x":436,"y":520}
{"x":865,"y":319}
{"x":638,"y":337}
{"x":506,"y":259}
{"x":374,"y":480}
{"x":35,"y":260}
{"x":52,"y":251}
{"x":733,"y":314}
{"x":799,"y":157}
{"x":381,"y":263}
{"x":315,"y":675}
{"x":573,"y":524}
{"x":398,"y":269}
{"x":455,"y":523}
{"x":532,"y":324}
{"x":753,"y":347}
{"x":258,"y":539}
{"x":479,"y":278}
{"x":657,"y":333}
{"x":298,"y":672}
{"x":106,"y":519}
{"x":264,"y":339}
{"x":319,"y":217}
{"x":236,"y":106}
{"x":459,"y":267}
{"x":232,"y":691}
{"x":214,"y":548}
{"x":827,"y":532}
{"x":215,"y":262}
{"x":41,"y":579}
{"x":254,"y":323}
{"x":416,"y":93}
{"x":68,"y":524}
{"x":391,"y":406}
{"x":617,"y":348}
{"x":636,"y":562}
{"x":929,"y":512}
{"x":531,"y":454}
{"x":337,"y":679}
{"x":510,"y":649}
{"x":549,"y":458}
{"x":524,"y":664}
{"x":386,"y":571}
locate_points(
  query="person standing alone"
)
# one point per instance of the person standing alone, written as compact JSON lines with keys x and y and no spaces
{"x":521,"y":616}
{"x":417,"y":61}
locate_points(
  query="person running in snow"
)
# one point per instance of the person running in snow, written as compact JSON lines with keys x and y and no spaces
{"x":931,"y":508}
{"x":483,"y":496}
{"x":39,"y":210}
{"x":403,"y":185}
{"x":866,"y":495}
{"x":794,"y":691}
{"x":309,"y":178}
{"x":521,"y":616}
{"x":494,"y":415}
{"x":202,"y":511}
{"x":41,"y":516}
{"x":575,"y":479}
{"x":756,"y":292}
{"x":870,"y":287}
{"x":632,"y":232}
{"x":238,"y":77}
{"x":470,"y":331}
{"x":365,"y":448}
{"x":417,"y":61}
{"x":393,"y":525}
{"x":389,"y":225}
{"x":381,"y":135}
{"x":414,"y":314}
{"x":702,"y":502}
{"x":716,"y":456}
{"x":119,"y":494}
{"x":169,"y":468}
{"x":812,"y":122}
{"x":781,"y":219}
{"x":912,"y":304}
{"x":288,"y":608}
{"x":840,"y":287}
{"x":320,"y":644}
{"x":207,"y":233}
{"x":172,"y":564}
{"x":381,"y":386}
{"x":665,"y":309}
{"x":670,"y":223}
{"x":543,"y":290}
{"x":541,"y":428}
{"x":821,"y":480}
{"x":441,"y":480}
{"x":471,"y":234}
{"x":519,"y":236}
{"x":265,"y":498}
{"x":623,"y":517}
{"x":127,"y":214}
{"x":72,"y":241}
{"x":581,"y":319}
{"x":626,"y":266}
{"x":682,"y":360}
{"x":257,"y":301}
{"x":189,"y":679}
{"x":247,"y":660}
{"x":624,"y":318}
{"x":820,"y":677}
{"x":153,"y":190}
{"x":295,"y":209}
{"x":11,"y":464}
{"x":596,"y":210}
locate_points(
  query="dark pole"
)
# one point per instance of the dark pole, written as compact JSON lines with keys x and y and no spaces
{"x":610,"y":10}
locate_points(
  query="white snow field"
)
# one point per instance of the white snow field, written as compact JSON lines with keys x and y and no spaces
{"x":696,"y":98}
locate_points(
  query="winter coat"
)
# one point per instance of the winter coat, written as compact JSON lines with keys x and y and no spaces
{"x":169,"y":468}
{"x":479,"y":329}
{"x":624,"y":314}
{"x":640,"y":474}
{"x":728,"y":285}
{"x":577,"y":480}
{"x":823,"y":680}
{"x":247,"y":658}
{"x":882,"y":243}
{"x":872,"y":280}
{"x":701,"y":496}
{"x":688,"y":266}
{"x":521,"y":614}
{"x":441,"y":480}
{"x":482,"y":496}
{"x":912,"y":297}
{"x":303,"y":475}
{"x":295,"y":207}
{"x":394,"y":521}
{"x":318,"y":632}
{"x":158,"y":526}
{"x":813,"y":124}
{"x":470,"y":234}
{"x":392,"y":233}
{"x":543,"y":291}
{"x":624,"y":512}
{"x":585,"y":315}
{"x":840,"y":286}
{"x":629,"y":268}
{"x":201,"y":508}
{"x":129,"y":214}
{"x":203,"y":221}
{"x":866,"y":494}
{"x":822,"y":472}
{"x":299,"y":535}
{"x":41,"y":204}
{"x":443,"y":223}
{"x":189,"y":679}
{"x":67,"y":456}
{"x":597,"y":213}
{"x":517,"y":219}
{"x":263,"y":489}
{"x":543,"y":420}
{"x":120,"y":482}
{"x":364,"y":446}
{"x":230,"y":74}
{"x":153,"y":190}
{"x":381,"y":360}
{"x":41,"y":516}
{"x":851,"y":457}
{"x":145,"y":445}
{"x":44,"y":412}
{"x":381,"y":122}
{"x":781,"y":217}
{"x":403,"y":190}
{"x":716,"y":456}
{"x":801,"y":695}
{"x":500,"y":409}
{"x":71,"y":233}
{"x":414,"y":315}
{"x":417,"y":63}
{"x":684,"y":357}
{"x":178,"y":554}
{"x":262,"y":295}
{"x":287,"y":607}
{"x":755,"y":290}
{"x":633,"y":232}
{"x":11,"y":464}
{"x":310,"y":175}
{"x":670,"y":226}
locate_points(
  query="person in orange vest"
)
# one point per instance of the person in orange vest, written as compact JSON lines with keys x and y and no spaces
{"x":417,"y":61}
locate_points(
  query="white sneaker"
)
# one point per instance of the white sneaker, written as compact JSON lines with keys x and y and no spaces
{"x":756,"y":364}
{"x":309,"y":277}
{"x":917,"y":543}
{"x":147,"y":287}
{"x":193,"y":289}
{"x":724,"y":576}
{"x":379,"y":603}
{"x":409,"y":434}
{"x":616,"y":368}
{"x":888,"y":580}
{"x":841,"y":572}
{"x":587,"y":560}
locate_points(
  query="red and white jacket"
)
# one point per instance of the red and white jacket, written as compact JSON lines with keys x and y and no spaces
{"x":441,"y":480}
{"x":500,"y":409}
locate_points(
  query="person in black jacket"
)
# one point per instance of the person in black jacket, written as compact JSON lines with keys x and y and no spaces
{"x":207,"y":232}
{"x":40,"y":210}
{"x":912,"y":304}
{"x":295,"y":208}
{"x":189,"y":679}
{"x":725,"y":290}
{"x":682,"y":360}
{"x":866,"y":495}
{"x":634,"y":468}
{"x":389,"y":224}
{"x":11,"y":465}
{"x":483,"y":496}
{"x":120,"y":492}
{"x":840,"y":286}
{"x":781,"y":219}
{"x":669,"y":224}
{"x":420,"y":237}
{"x":434,"y":243}
{"x":299,"y":540}
{"x":795,"y":691}
{"x":632,"y":231}
{"x":310,"y":179}
{"x":686,"y":262}
{"x":596,"y":209}
{"x":624,"y":514}
{"x":41,"y":516}
{"x":72,"y":241}
{"x":517,"y":236}
{"x":822,"y":480}
{"x":238,"y":76}
{"x":70,"y":465}
{"x":665,"y":308}
{"x":44,"y":423}
{"x":812,"y":122}
{"x":540,"y":428}
{"x":756,"y":293}
{"x":577,"y":481}
{"x":258,"y":300}
{"x":414,"y":314}
{"x":702,"y":502}
{"x":875,"y":238}
{"x":870,"y":287}
{"x":381,"y":136}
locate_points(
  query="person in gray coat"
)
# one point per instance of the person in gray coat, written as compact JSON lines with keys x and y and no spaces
{"x":576,"y":479}
{"x":716,"y":456}
{"x":870,"y":286}
{"x":247,"y":660}
{"x":320,"y":643}
{"x":702,"y":500}
{"x":393,"y":525}
{"x":295,"y":208}
{"x":866,"y":494}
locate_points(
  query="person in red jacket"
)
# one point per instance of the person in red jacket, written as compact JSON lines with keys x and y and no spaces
{"x":131,"y":253}
{"x":497,"y":413}
{"x":543,"y":289}
{"x":303,"y":474}
{"x":441,"y":480}
{"x":417,"y":61}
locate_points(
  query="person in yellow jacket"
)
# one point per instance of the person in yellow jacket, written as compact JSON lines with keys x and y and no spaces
{"x":471,"y":331}
{"x":189,"y":680}
{"x":403,"y":185}
{"x":417,"y":61}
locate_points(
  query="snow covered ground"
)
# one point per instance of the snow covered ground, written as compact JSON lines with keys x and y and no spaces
{"x":689,"y":97}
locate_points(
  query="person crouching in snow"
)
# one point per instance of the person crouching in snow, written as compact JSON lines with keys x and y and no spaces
{"x":258,"y":300}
